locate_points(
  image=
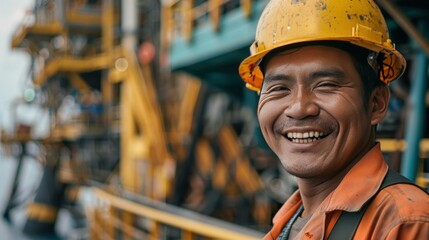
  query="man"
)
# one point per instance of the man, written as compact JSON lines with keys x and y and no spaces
{"x":321,"y":69}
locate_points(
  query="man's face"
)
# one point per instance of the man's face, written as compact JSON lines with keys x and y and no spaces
{"x":312,"y":113}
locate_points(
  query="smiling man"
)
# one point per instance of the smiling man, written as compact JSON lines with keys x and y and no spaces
{"x":321,"y":69}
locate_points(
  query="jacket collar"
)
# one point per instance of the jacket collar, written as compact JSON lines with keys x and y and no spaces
{"x":359,"y":185}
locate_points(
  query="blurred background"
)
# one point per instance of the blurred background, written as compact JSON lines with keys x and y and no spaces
{"x":127,"y":119}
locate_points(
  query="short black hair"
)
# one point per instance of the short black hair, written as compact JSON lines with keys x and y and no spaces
{"x":368,"y":73}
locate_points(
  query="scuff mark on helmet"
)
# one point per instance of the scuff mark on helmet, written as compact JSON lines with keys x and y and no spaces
{"x":321,"y":5}
{"x":274,"y":38}
{"x":299,"y":1}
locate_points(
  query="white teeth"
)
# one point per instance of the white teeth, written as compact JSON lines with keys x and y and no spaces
{"x":305,"y":137}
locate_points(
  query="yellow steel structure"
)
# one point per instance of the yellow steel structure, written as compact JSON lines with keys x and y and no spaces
{"x":42,"y":212}
{"x":66,"y":64}
{"x":143,"y":135}
{"x":143,"y":139}
{"x":145,"y":162}
{"x":54,"y":28}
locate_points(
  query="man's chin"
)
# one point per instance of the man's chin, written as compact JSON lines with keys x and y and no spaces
{"x":301,"y":173}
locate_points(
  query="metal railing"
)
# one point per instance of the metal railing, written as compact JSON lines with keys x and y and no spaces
{"x":133,"y":217}
{"x":181,"y":16}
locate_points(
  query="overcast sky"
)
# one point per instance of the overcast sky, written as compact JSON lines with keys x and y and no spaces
{"x":14,"y":63}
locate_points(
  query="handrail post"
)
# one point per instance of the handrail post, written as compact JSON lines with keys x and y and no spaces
{"x":128,"y":219}
{"x":111,"y":232}
{"x":107,"y":27}
{"x":154,"y":232}
{"x":187,"y":235}
{"x":188,"y":19}
{"x":215,"y":12}
{"x":246,"y":7}
{"x":91,"y":229}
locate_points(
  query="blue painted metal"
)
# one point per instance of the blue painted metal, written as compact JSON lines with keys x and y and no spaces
{"x":416,"y":121}
{"x":236,"y":32}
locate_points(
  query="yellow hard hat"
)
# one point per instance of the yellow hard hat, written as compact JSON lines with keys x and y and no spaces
{"x":287,"y":22}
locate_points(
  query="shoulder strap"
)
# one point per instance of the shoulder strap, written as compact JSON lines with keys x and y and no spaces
{"x":348,"y":222}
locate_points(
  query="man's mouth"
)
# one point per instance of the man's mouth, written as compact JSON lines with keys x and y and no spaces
{"x":305,"y":137}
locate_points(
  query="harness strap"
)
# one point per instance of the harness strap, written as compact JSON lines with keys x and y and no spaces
{"x":346,"y":225}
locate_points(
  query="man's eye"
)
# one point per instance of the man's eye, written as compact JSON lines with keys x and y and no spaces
{"x":278,"y":88}
{"x":327,"y":85}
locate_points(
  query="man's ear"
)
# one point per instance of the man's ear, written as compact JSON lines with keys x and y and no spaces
{"x":379,"y":104}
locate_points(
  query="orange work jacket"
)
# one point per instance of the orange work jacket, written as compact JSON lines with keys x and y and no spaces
{"x":399,"y":211}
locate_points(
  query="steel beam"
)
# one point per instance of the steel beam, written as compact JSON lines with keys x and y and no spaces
{"x":416,"y":120}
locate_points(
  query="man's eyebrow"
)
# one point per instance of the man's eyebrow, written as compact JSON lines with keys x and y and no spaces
{"x":328,"y":72}
{"x":276,"y":77}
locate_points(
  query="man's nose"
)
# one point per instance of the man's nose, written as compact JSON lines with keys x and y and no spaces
{"x":301,"y":104}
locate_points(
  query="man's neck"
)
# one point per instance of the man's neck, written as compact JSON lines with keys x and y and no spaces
{"x":314,"y":192}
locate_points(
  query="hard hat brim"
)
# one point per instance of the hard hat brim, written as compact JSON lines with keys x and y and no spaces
{"x":394,"y":62}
